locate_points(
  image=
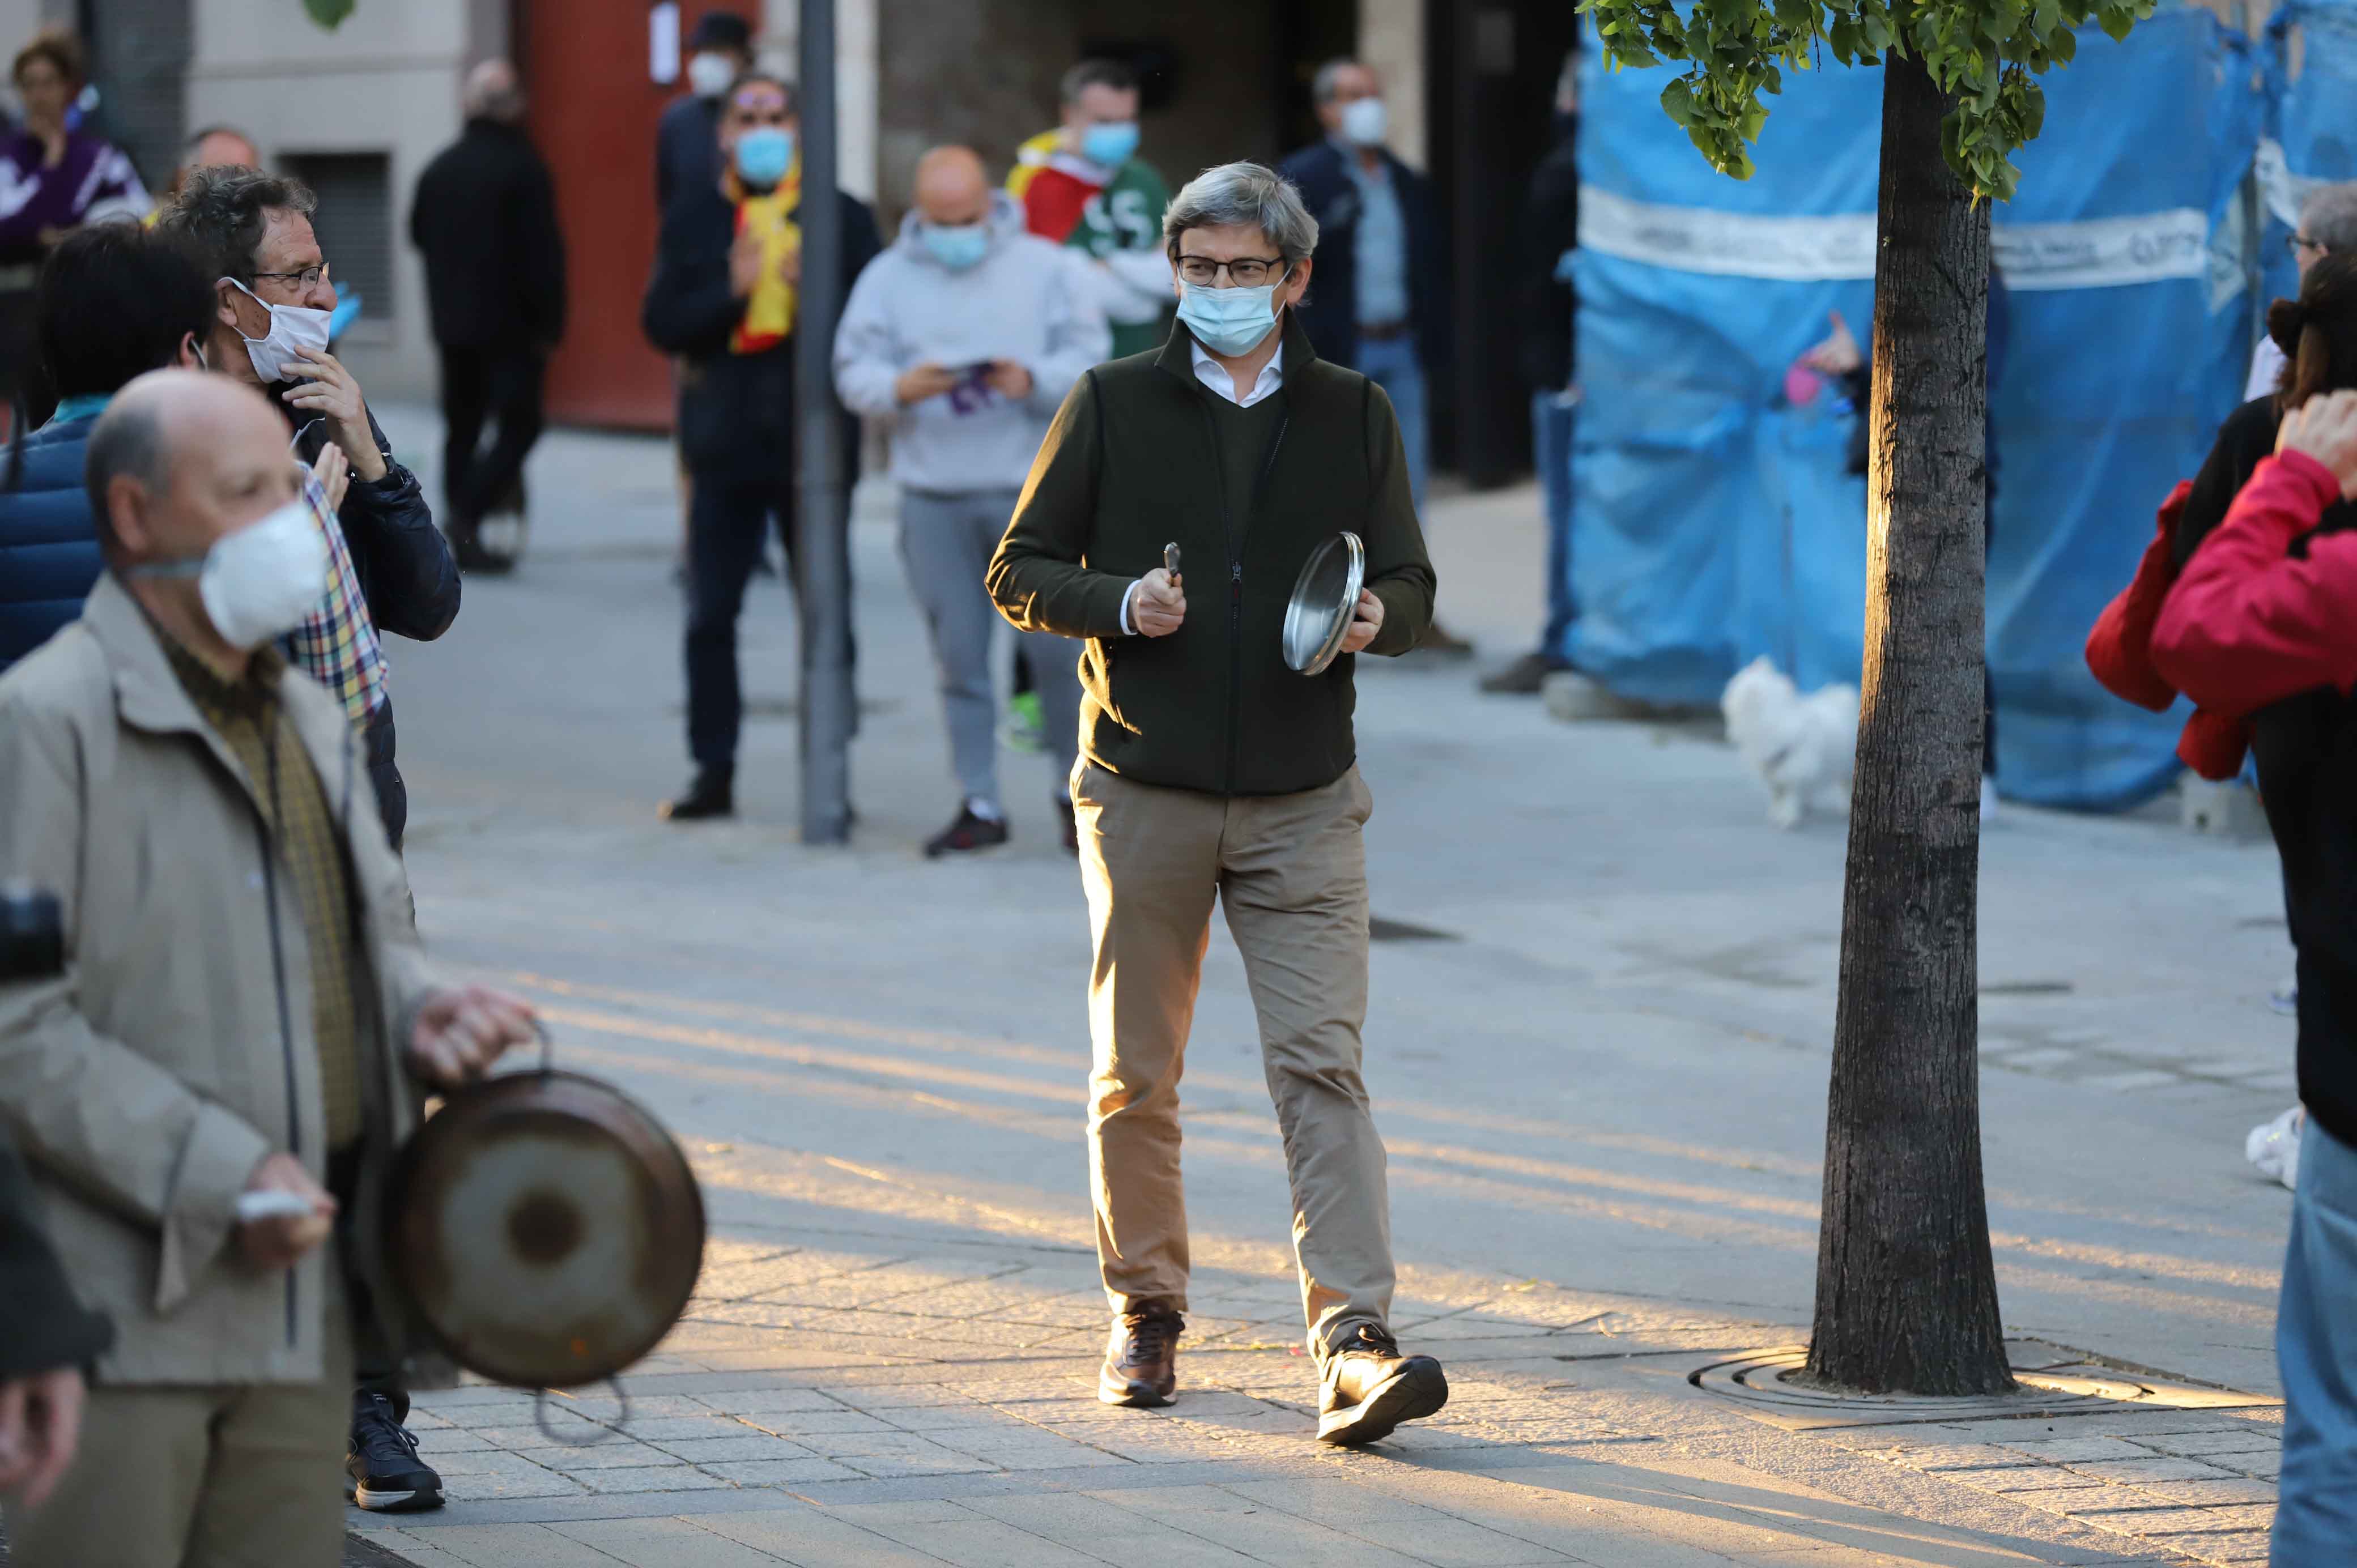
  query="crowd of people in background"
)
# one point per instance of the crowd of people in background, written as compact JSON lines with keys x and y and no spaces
{"x":206,"y":536}
{"x":959,"y":340}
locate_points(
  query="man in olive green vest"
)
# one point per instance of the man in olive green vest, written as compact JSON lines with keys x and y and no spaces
{"x":1210,"y":767}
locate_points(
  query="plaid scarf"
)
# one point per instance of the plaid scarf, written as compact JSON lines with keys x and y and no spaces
{"x":336,"y":643}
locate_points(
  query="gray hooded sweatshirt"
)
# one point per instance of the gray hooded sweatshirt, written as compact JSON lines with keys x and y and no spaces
{"x":1027,"y":299}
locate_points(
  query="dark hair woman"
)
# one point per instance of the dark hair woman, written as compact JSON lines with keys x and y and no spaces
{"x":2263,"y":622}
{"x":2317,"y":334}
{"x":52,"y":181}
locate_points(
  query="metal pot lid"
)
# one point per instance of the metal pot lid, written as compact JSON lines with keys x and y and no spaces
{"x":545,"y":1228}
{"x":1318,"y":616}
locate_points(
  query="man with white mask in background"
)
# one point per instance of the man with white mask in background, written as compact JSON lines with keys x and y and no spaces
{"x":687,"y":138}
{"x":244,"y":1026}
{"x":966,"y":334}
{"x":252,"y":231}
{"x":1379,"y":307}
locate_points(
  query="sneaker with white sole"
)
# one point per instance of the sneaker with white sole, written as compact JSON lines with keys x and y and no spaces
{"x":382,"y":1472}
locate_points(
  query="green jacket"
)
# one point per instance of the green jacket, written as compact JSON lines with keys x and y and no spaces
{"x":1132,"y":464}
{"x":1126,"y":215}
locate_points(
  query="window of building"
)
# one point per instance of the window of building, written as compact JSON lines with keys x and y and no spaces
{"x":354,"y":221}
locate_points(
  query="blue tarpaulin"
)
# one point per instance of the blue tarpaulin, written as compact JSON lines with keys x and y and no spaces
{"x":1713,"y":520}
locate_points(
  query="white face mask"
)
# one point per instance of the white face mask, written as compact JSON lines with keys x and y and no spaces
{"x":292,"y":327}
{"x":708,"y":74}
{"x":260,"y":582}
{"x":1364,"y":121}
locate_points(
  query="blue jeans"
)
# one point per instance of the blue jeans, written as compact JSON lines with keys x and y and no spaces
{"x":1392,"y":364}
{"x":2316,"y":1351}
{"x":1553,"y":415}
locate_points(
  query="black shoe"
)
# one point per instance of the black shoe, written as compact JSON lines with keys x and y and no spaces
{"x":714,"y":794}
{"x":1439,"y":642}
{"x":1525,"y":677}
{"x":1369,"y":1388}
{"x":468,"y":549}
{"x":1141,"y":1364}
{"x":382,"y":1469}
{"x":968,"y":832}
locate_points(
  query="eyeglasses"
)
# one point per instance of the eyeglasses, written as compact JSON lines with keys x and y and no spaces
{"x":1246,"y":272}
{"x":2296,"y":244}
{"x":306,"y":280}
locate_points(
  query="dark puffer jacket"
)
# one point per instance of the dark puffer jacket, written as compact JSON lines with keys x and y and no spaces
{"x":49,"y":547}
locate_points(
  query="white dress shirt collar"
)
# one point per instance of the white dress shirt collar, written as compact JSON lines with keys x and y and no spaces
{"x":1214,"y":375}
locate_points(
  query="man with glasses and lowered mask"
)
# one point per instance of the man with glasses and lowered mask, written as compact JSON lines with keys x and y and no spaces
{"x":389,"y":569}
{"x":392,"y":571}
{"x":1212,"y":769}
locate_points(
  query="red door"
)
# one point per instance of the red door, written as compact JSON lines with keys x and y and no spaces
{"x":593,"y":106}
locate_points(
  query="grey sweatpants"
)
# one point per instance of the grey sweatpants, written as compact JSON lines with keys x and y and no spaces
{"x":946,"y":542}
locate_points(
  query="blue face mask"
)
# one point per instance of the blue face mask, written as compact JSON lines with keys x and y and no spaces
{"x":764,"y":154}
{"x":1110,"y":145}
{"x":1228,"y":320}
{"x":957,"y":248}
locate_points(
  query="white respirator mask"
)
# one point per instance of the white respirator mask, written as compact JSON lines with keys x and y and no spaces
{"x":292,"y":327}
{"x":261,"y":581}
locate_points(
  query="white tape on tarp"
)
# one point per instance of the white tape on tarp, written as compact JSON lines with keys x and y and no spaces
{"x":2285,"y":192}
{"x":2092,"y":253}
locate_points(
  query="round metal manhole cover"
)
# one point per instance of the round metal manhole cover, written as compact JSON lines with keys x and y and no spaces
{"x":1762,"y":1377}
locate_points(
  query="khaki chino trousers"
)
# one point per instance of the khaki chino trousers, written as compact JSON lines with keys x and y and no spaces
{"x":1291,"y":871}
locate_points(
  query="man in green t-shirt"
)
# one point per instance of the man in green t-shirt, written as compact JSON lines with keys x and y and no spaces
{"x":1083,"y":184}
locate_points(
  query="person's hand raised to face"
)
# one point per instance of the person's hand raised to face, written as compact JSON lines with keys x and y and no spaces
{"x":2325,"y":428}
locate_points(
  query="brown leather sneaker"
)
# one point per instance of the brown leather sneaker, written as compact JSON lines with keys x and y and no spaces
{"x":1141,"y":1364}
{"x":1369,"y":1388}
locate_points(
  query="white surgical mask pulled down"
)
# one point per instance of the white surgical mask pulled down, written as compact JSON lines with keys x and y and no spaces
{"x":292,"y":327}
{"x":260,"y":582}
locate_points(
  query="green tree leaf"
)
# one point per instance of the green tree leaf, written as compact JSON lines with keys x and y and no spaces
{"x":329,"y":14}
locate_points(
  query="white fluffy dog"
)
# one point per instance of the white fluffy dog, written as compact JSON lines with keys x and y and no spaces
{"x":1802,"y":748}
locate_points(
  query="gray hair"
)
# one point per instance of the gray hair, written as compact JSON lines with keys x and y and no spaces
{"x":1322,"y":86}
{"x":127,"y":442}
{"x":221,"y":213}
{"x":1242,"y":193}
{"x":2328,"y":216}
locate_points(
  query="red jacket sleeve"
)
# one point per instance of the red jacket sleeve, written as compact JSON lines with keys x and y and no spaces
{"x":2119,"y":649}
{"x":2248,"y":625}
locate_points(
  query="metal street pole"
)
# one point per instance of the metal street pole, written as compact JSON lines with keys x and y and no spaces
{"x":822,"y":542}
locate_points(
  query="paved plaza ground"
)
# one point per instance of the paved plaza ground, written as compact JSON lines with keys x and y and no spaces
{"x":1598,"y":1041}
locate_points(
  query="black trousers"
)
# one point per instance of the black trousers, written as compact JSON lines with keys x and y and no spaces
{"x":392,"y":794}
{"x":479,"y":384}
{"x":727,"y":523}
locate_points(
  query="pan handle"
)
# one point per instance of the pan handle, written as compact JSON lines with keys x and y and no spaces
{"x":604,"y":1430}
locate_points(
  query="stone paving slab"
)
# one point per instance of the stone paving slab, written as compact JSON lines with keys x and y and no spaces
{"x":1572,"y":1436}
{"x":1611,"y":1082}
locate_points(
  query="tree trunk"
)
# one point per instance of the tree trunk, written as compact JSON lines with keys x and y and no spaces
{"x":1906,"y":1291}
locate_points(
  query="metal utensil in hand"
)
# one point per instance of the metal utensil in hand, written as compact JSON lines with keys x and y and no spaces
{"x":1170,"y":560}
{"x":1325,"y":601}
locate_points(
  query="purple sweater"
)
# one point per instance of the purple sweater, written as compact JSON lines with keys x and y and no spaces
{"x":94,"y":182}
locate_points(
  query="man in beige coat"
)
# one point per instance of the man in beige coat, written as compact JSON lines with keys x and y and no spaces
{"x":244,"y":1009}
